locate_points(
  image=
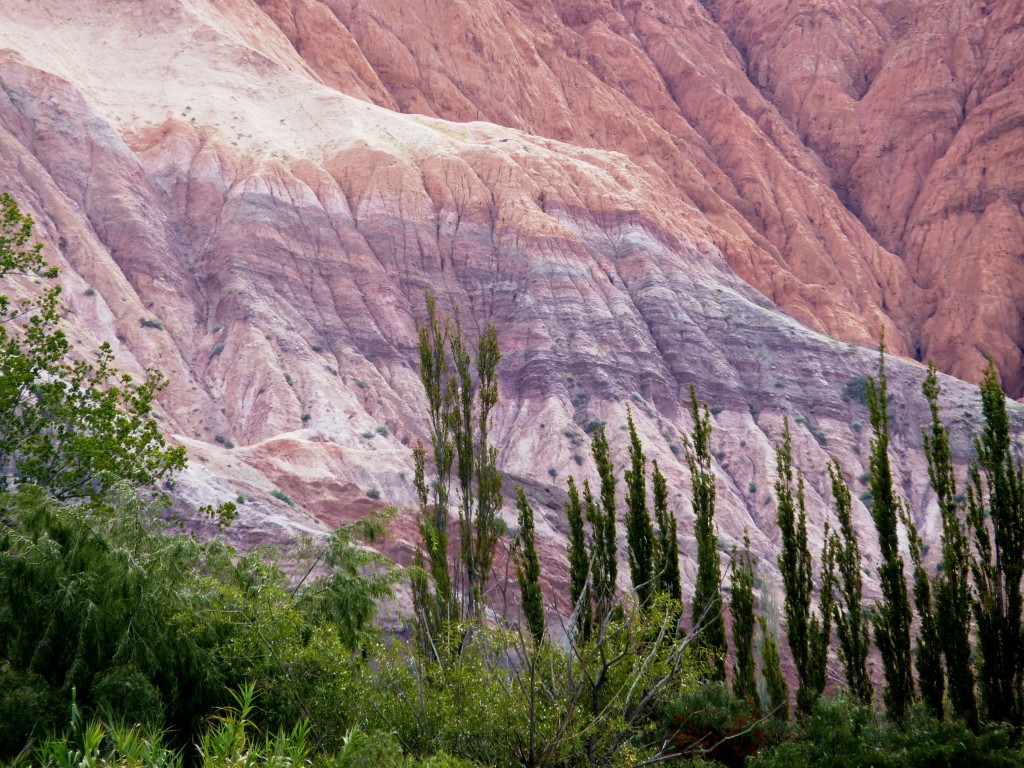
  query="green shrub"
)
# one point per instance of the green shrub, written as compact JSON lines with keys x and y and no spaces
{"x":29,"y":707}
{"x":382,"y":430}
{"x":373,"y":493}
{"x":841,"y":733}
{"x":856,"y":390}
{"x":217,"y":349}
{"x":277,"y":493}
{"x":306,"y":417}
{"x":128,"y":695}
{"x":146,"y":322}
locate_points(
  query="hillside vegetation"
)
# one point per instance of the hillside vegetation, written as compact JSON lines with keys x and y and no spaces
{"x":125,"y":640}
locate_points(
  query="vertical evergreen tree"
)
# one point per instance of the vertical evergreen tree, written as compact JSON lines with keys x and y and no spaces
{"x":579,"y":564}
{"x":952,"y":585}
{"x":795,"y":566}
{"x":995,"y":513}
{"x":603,"y":564}
{"x":433,"y":500}
{"x":928,"y":651}
{"x":819,"y":630}
{"x":528,"y":569}
{"x":604,"y":523}
{"x":851,"y":621}
{"x":892,"y":616}
{"x":771,"y":671}
{"x":744,"y":679}
{"x":639,"y":532}
{"x":476,"y":463}
{"x":707,"y":598}
{"x":458,"y":416}
{"x":667,"y":563}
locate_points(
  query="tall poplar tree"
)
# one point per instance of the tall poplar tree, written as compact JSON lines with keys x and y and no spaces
{"x":528,"y":569}
{"x":639,"y":531}
{"x":891,"y":616}
{"x":741,"y":606}
{"x":458,"y":416}
{"x":851,"y":619}
{"x":707,"y":598}
{"x":667,"y":563}
{"x":952,"y":585}
{"x":819,"y":628}
{"x":580,"y":592}
{"x":602,"y":519}
{"x":928,"y":652}
{"x":771,"y":670}
{"x":995,"y":513}
{"x":795,"y":566}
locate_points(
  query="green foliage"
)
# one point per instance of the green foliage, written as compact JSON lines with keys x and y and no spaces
{"x":892,"y":616}
{"x":580,"y":593}
{"x":710,"y":721}
{"x":459,"y":415}
{"x":639,"y":531}
{"x":72,"y":426}
{"x":604,"y":564}
{"x":147,"y":322}
{"x":528,"y":568}
{"x":952,"y":585}
{"x":744,"y":681}
{"x":707,"y":598}
{"x":667,"y":544}
{"x":277,"y":493}
{"x":802,"y":631}
{"x":928,"y":652}
{"x":771,"y":671}
{"x":995,"y":514}
{"x":851,"y":619}
{"x":842,"y":733}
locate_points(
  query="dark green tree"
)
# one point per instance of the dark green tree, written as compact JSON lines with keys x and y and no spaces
{"x":741,"y":605}
{"x":579,"y":563}
{"x":707,"y":598}
{"x":928,"y":652}
{"x":604,"y":557}
{"x":667,"y":546}
{"x":528,"y":568}
{"x":639,"y":531}
{"x":952,"y":585}
{"x":995,"y":514}
{"x":459,"y":415}
{"x":795,"y":566}
{"x":891,"y":616}
{"x":74,"y":427}
{"x":819,"y":628}
{"x":771,"y":670}
{"x":851,"y":619}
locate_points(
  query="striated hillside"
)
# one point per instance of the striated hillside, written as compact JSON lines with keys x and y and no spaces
{"x":640,"y":197}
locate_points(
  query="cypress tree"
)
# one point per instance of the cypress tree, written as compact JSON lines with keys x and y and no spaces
{"x":892,"y":616}
{"x":851,"y":621}
{"x":528,"y":569}
{"x":928,"y":651}
{"x":795,"y":566}
{"x":819,"y":630}
{"x":995,"y":513}
{"x":771,"y":670}
{"x":601,"y":556}
{"x":603,"y":520}
{"x":579,"y":564}
{"x":639,"y":532}
{"x":744,"y":680}
{"x":667,"y":563}
{"x":707,"y":598}
{"x":952,"y":586}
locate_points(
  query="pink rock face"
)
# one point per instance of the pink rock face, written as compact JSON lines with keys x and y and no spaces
{"x":253,"y":176}
{"x":916,"y":108}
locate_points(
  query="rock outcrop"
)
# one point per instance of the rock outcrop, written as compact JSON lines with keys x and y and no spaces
{"x":601,"y":181}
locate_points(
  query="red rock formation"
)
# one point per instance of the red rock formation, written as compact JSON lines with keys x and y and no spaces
{"x":197,"y":161}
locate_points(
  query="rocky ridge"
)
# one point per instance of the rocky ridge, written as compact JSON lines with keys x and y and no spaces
{"x":260,"y":193}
